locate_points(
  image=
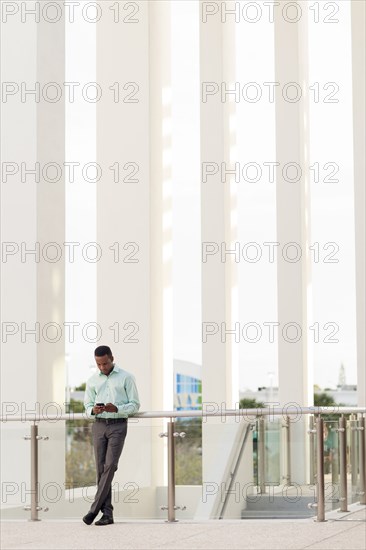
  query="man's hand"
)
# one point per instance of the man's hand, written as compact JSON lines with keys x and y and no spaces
{"x":110,"y":408}
{"x":98,"y":409}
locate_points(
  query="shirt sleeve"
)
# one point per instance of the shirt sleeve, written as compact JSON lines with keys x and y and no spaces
{"x":89,"y":398}
{"x":133,"y":404}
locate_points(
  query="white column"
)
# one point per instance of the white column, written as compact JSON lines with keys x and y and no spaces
{"x":160,"y":204}
{"x":51,"y":229}
{"x":217,"y":378}
{"x":18,"y":211}
{"x":219,"y":373}
{"x":32,"y":217}
{"x":51,"y":215}
{"x":123,"y":217}
{"x":161,"y":316}
{"x":359,"y":146}
{"x":293,"y":277}
{"x":18,"y":225}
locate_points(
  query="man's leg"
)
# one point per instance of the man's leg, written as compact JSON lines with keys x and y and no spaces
{"x":114,"y":435}
{"x":100,"y":443}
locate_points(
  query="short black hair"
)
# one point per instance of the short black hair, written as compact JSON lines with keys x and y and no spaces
{"x":100,"y":351}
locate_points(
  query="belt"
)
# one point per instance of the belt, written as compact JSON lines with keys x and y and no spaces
{"x":111,"y":420}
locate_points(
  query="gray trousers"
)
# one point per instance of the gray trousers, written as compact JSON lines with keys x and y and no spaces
{"x":108,"y":440}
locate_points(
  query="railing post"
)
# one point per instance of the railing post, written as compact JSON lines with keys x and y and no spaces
{"x":171,"y":435}
{"x":34,"y":472}
{"x":312,"y":451}
{"x":171,"y":472}
{"x":333,"y":455}
{"x":342,"y":434}
{"x":320,"y":469}
{"x":362,"y":461}
{"x":34,"y":438}
{"x":353,"y":451}
{"x":288,"y":450}
{"x":261,"y":456}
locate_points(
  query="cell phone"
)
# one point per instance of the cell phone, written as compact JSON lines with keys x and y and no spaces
{"x":99,"y":404}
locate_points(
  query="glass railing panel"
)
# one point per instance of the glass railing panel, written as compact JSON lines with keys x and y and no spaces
{"x":254,"y":438}
{"x":15,"y":470}
{"x":145,"y":488}
{"x":188,"y":466}
{"x":275,"y":431}
{"x":353,"y":457}
{"x":332,"y":472}
{"x":79,"y":459}
{"x":67,"y":474}
{"x":294,"y":497}
{"x":227,"y":468}
{"x":331,"y":464}
{"x":188,"y":451}
{"x":312,"y":451}
{"x":280,"y":469}
{"x":272,"y":475}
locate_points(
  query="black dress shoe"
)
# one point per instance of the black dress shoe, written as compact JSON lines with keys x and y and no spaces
{"x":89,"y":518}
{"x":104,"y":520}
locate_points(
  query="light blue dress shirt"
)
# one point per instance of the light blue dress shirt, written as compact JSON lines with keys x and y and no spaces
{"x":119,"y":388}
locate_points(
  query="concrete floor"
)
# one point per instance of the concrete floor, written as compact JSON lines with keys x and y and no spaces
{"x":341,"y":531}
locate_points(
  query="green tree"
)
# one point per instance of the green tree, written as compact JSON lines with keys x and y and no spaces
{"x":80,"y":465}
{"x":82,"y":387}
{"x":247,"y":403}
{"x":193,"y":429}
{"x":323,"y":400}
{"x":188,"y":456}
{"x":188,"y":465}
{"x":75,"y":406}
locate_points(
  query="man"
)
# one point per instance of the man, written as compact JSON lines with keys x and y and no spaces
{"x":111,"y":396}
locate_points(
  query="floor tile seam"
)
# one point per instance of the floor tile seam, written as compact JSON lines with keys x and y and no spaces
{"x":184,"y":538}
{"x":332,"y":536}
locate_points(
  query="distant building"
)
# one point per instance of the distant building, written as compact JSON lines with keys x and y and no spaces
{"x":187,"y":386}
{"x":347,"y":395}
{"x":341,"y":377}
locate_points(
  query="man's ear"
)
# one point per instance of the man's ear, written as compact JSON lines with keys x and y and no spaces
{"x":112,"y":358}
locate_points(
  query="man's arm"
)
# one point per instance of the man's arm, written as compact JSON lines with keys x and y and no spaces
{"x":89,"y":399}
{"x":133,"y":404}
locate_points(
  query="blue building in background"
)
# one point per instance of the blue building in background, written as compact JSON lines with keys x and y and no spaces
{"x":187,"y":386}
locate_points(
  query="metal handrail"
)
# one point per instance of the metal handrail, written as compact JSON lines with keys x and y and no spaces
{"x":240,"y":413}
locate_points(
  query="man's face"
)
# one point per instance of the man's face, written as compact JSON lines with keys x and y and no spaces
{"x":104,"y":364}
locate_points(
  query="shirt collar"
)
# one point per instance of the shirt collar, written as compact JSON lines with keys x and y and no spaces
{"x":115,"y":369}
